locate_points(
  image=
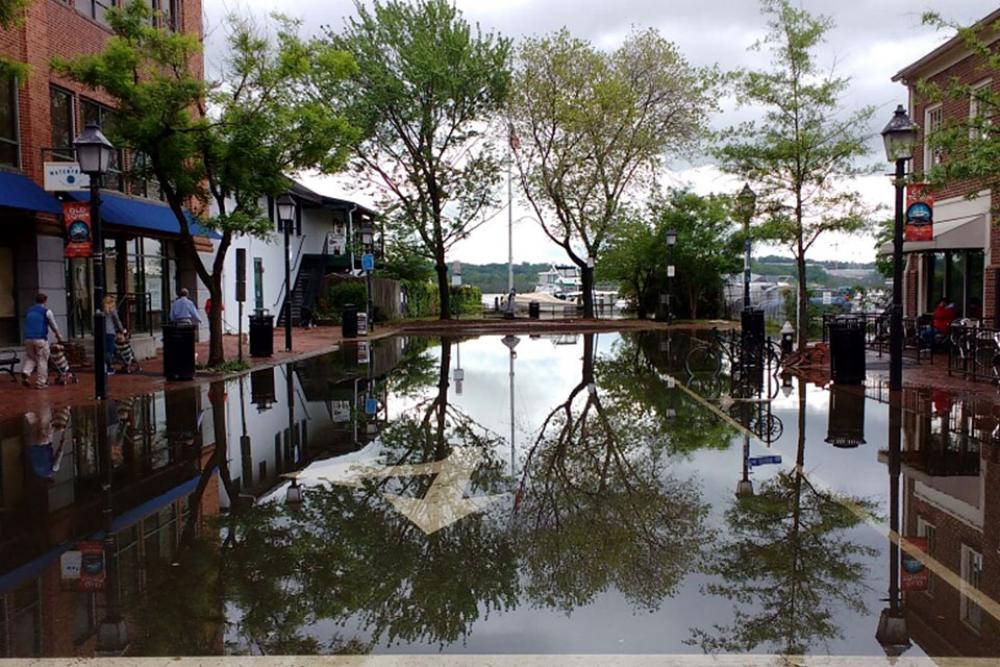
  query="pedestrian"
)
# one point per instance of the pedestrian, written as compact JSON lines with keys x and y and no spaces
{"x":112,"y":327}
{"x":183,"y":311}
{"x":38,"y":321}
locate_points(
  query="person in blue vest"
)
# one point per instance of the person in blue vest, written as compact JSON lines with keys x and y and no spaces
{"x":38,"y":321}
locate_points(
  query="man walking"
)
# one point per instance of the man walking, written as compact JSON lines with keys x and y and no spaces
{"x":37,"y":323}
{"x":183,"y":311}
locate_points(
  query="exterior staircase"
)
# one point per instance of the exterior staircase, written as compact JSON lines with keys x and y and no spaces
{"x":305,"y":290}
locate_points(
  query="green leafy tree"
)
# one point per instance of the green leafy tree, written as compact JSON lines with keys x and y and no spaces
{"x":591,"y":128}
{"x":226,"y":144}
{"x":969,"y":143}
{"x":426,"y":84}
{"x":12,"y":14}
{"x":805,"y":148}
{"x":634,"y":258}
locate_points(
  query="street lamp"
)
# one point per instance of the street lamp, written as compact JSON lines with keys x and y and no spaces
{"x":746,"y":203}
{"x":286,"y":215}
{"x":671,"y":270}
{"x":94,"y":153}
{"x":900,"y":137}
{"x":368,"y":241}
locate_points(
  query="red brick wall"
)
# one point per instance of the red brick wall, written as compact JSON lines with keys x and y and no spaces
{"x":53,"y":28}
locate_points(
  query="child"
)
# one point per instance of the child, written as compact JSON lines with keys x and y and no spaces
{"x":125,"y":353}
{"x":60,"y":365}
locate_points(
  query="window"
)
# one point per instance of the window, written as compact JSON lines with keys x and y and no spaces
{"x":928,"y":531}
{"x":104,"y":117}
{"x":972,"y":572}
{"x":932,"y":123}
{"x":96,"y":9}
{"x":61,"y":111}
{"x":166,"y":14}
{"x":10,"y":154}
{"x":142,"y":182}
{"x":978,"y":110}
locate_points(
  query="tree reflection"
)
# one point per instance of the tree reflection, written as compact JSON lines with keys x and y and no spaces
{"x":596,"y":506}
{"x":787,"y":564}
{"x":348,"y":555}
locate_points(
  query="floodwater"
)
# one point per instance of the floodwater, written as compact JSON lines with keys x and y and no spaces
{"x":533,"y":495}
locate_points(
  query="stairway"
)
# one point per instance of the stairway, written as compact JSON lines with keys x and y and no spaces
{"x":312,"y":269}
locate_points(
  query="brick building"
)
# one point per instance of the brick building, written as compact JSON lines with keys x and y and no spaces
{"x":963,"y":260}
{"x":39,"y":117}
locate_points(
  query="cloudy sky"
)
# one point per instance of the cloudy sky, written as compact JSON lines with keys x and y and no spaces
{"x":872,"y":40}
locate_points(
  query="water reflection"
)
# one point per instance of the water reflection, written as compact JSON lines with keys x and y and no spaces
{"x":576,"y":496}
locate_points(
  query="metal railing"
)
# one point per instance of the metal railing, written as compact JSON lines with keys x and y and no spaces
{"x":974,"y":351}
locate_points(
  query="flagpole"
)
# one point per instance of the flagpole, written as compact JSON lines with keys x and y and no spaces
{"x":510,"y":211}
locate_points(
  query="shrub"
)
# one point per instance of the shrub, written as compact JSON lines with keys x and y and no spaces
{"x":331,"y":303}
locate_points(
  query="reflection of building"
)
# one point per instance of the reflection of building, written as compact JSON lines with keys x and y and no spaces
{"x":951,"y":497}
{"x":156,"y":451}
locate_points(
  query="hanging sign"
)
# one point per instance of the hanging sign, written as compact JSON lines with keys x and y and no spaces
{"x":92,"y":566}
{"x":919,"y":213}
{"x":914,"y":575}
{"x":368,"y":262}
{"x":77,"y":219}
{"x":65,"y":177}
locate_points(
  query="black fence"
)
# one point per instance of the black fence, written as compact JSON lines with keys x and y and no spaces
{"x":974,"y":351}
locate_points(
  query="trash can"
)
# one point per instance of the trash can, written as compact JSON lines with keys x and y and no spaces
{"x":847,"y":350}
{"x":534,"y":310}
{"x":178,"y":351}
{"x":261,"y":334}
{"x":752,"y":337}
{"x":349,"y":321}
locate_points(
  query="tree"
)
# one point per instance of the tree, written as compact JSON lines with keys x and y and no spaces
{"x":591,"y":128}
{"x":12,"y":14}
{"x":426,"y":85}
{"x":969,"y":143}
{"x":804,"y":149}
{"x":635,"y":256}
{"x":229,"y":143}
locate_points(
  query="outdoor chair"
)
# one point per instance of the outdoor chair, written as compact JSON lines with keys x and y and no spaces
{"x":9,"y":359}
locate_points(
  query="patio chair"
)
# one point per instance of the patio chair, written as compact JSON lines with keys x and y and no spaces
{"x":9,"y":359}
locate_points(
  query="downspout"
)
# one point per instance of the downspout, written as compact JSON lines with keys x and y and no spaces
{"x":350,"y":233}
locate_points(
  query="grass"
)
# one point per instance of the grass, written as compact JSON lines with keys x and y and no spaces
{"x":226,"y":367}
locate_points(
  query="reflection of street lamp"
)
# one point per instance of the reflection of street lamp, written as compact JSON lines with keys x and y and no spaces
{"x":293,"y":495}
{"x":94,"y":153}
{"x":744,"y":488}
{"x":900,"y":137}
{"x":458,"y":374}
{"x":112,"y":633}
{"x":671,"y":242}
{"x":286,"y":214}
{"x":511,"y":343}
{"x":892,"y":633}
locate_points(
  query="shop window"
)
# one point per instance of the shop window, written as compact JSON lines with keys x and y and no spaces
{"x":104,"y":116}
{"x":10,"y":154}
{"x":63,"y":127}
{"x":972,"y":572}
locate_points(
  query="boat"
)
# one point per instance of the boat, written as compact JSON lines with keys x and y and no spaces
{"x":560,"y":281}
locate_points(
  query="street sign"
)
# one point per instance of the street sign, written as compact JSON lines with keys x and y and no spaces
{"x":371,"y":405}
{"x":368,"y":262}
{"x":671,"y":271}
{"x":827,"y":298}
{"x":755,"y":461}
{"x":65,"y":177}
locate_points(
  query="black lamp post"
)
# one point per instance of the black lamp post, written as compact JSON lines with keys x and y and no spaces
{"x":286,"y":214}
{"x":900,"y":137}
{"x":671,"y":270}
{"x":368,"y":241}
{"x":94,"y":154}
{"x":746,"y":203}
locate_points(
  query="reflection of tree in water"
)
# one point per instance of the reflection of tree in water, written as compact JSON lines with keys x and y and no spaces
{"x":349,"y":556}
{"x":787,"y":564}
{"x":596,"y":507}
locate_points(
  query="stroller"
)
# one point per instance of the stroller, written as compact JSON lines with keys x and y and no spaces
{"x":59,"y":364}
{"x":125,"y":354}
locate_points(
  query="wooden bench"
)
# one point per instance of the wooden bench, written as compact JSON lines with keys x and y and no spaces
{"x":9,"y":359}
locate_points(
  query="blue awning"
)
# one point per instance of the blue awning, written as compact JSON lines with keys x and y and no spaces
{"x":143,"y":214}
{"x":19,"y":191}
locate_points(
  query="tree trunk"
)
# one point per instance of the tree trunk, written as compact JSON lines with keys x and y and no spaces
{"x":802,"y":317}
{"x":444,"y":294}
{"x":216,"y":350}
{"x":693,"y":302}
{"x":588,"y":291}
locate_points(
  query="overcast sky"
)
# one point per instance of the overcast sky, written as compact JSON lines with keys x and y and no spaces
{"x":872,"y":40}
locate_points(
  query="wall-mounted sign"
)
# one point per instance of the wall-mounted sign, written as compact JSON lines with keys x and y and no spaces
{"x":919,"y":213}
{"x":77,"y":219}
{"x":65,"y":177}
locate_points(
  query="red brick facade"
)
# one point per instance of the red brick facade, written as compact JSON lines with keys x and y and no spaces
{"x":54,"y":28}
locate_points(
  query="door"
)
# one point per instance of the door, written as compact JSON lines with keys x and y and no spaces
{"x":9,"y":333}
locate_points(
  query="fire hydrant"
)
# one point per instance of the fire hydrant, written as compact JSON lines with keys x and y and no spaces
{"x":787,"y":338}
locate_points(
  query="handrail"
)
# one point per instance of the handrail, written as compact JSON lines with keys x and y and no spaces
{"x":296,"y":265}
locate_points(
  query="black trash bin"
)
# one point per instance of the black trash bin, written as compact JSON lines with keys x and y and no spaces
{"x":349,"y":321}
{"x":261,"y":334}
{"x":178,"y":351}
{"x":847,"y":350}
{"x":752,"y":337}
{"x":534,"y":310}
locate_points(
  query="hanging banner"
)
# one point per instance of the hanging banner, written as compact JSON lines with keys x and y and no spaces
{"x":77,"y":218}
{"x":914,"y":575}
{"x":92,"y":566}
{"x":919,"y":213}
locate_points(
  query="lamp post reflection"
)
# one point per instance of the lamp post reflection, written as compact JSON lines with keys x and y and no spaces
{"x":112,"y":634}
{"x":511,"y":343}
